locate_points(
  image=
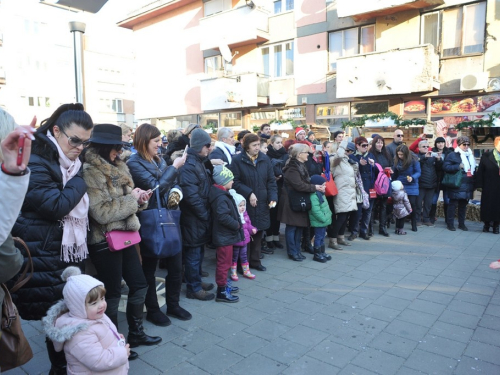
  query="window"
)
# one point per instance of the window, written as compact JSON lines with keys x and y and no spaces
{"x":456,"y":32}
{"x":31,"y":101}
{"x":117,"y":106}
{"x":332,"y":115}
{"x":213,"y":65}
{"x":369,"y":108}
{"x":275,"y":63}
{"x":231,"y":119}
{"x":216,"y":6}
{"x":281,"y":6}
{"x":350,"y":42}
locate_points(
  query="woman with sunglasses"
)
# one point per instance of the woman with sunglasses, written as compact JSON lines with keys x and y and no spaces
{"x":407,"y":170}
{"x":461,"y":160}
{"x":148,"y":171}
{"x":54,"y":216}
{"x":114,"y":203}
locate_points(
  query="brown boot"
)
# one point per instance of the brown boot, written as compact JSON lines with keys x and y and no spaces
{"x":341,"y":241}
{"x":333,"y":244}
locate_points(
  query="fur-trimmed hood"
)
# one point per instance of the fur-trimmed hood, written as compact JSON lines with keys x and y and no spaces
{"x":60,"y":326}
{"x":112,"y":206}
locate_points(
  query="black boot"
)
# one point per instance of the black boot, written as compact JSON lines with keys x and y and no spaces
{"x":57,"y":359}
{"x":432,"y":213}
{"x":383,"y":231}
{"x":486,"y":227}
{"x":136,"y":335}
{"x":495,"y":227}
{"x":318,"y":257}
{"x":224,"y":295}
{"x":306,"y":241}
{"x":323,"y":252}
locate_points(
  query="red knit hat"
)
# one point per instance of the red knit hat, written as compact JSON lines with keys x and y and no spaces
{"x":298,"y":130}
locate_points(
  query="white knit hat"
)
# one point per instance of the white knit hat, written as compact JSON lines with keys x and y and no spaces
{"x":76,"y":289}
{"x":396,"y":185}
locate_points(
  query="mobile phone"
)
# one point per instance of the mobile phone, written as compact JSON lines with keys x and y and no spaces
{"x":20,"y":152}
{"x":157,"y":186}
{"x":185,"y":149}
{"x":434,"y":154}
{"x":319,"y":148}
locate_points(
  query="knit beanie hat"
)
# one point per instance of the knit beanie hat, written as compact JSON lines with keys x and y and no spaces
{"x":310,"y":133}
{"x":238,"y":199}
{"x":317,"y":180}
{"x":396,"y":185}
{"x":439,"y":139}
{"x":463,"y":139}
{"x":222,"y":175}
{"x":351,"y":146}
{"x":199,"y":138}
{"x":76,"y":289}
{"x":299,"y":130}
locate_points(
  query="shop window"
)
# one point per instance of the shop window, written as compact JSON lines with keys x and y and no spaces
{"x":231,"y":119}
{"x":350,"y":42}
{"x":369,"y":108}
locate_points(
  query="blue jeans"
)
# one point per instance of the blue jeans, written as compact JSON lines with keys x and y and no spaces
{"x":362,"y":219}
{"x":193,"y":257}
{"x":319,"y":236}
{"x":293,"y":237}
{"x":445,"y":197}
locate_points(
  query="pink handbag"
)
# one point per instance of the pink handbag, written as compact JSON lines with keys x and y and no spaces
{"x":121,"y":239}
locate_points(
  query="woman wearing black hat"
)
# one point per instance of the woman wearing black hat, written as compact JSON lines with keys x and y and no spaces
{"x":114,"y":203}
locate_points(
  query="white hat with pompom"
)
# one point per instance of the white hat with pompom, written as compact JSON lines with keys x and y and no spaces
{"x":76,"y":289}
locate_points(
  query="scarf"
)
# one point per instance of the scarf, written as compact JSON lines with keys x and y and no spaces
{"x":276,"y":154}
{"x":496,"y":155}
{"x":320,"y":196}
{"x":253,"y":159}
{"x":76,"y":223}
{"x":228,"y":150}
{"x":468,"y":160}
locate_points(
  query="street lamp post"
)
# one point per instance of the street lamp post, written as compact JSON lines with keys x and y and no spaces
{"x":78,"y":29}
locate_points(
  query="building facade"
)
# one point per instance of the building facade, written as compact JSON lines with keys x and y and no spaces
{"x":243,"y":63}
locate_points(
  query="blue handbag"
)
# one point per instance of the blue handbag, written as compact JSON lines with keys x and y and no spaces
{"x":160,"y":231}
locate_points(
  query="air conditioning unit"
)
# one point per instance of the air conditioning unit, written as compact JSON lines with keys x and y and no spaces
{"x":474,"y":81}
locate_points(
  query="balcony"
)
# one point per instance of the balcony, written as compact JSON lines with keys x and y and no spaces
{"x":235,"y":27}
{"x":364,"y":10}
{"x":398,"y":71}
{"x":236,"y":91}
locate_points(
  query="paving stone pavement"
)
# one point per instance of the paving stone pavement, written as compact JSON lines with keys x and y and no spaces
{"x":424,"y":303}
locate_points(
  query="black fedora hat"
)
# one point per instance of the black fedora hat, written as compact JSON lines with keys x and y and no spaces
{"x":107,"y":134}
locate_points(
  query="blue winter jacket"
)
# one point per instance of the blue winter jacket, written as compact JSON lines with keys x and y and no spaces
{"x":401,"y":174}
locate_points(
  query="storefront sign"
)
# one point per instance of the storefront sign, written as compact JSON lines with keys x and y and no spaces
{"x":472,"y":104}
{"x":414,"y":107}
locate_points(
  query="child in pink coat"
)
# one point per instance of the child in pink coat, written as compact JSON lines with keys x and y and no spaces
{"x":401,"y":205}
{"x":240,"y":248}
{"x":78,"y":326}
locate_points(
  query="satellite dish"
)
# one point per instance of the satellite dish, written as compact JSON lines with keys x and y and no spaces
{"x":225,"y":52}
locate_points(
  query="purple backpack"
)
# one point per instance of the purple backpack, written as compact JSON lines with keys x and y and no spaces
{"x":382,"y":183}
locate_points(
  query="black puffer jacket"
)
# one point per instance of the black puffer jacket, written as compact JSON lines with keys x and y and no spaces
{"x":368,"y":173}
{"x":227,"y":229}
{"x":46,"y":203}
{"x":278,"y":160}
{"x":428,"y":167}
{"x":148,"y":174}
{"x":313,"y":167}
{"x":439,"y":170}
{"x":451,"y":164}
{"x":195,"y":182}
{"x":259,"y":179}
{"x":177,"y":145}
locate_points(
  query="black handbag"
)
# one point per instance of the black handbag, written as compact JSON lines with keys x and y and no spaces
{"x":299,"y":201}
{"x":452,"y":180}
{"x":160,"y":231}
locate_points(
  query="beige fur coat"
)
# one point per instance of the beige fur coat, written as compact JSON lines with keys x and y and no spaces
{"x":111,"y":203}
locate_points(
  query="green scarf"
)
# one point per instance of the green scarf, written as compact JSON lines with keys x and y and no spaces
{"x":496,"y":154}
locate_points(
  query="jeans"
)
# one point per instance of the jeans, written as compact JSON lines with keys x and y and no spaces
{"x":293,"y":237}
{"x":224,"y":258}
{"x":354,"y":220}
{"x":241,"y":253}
{"x":445,"y":197}
{"x":424,"y":198}
{"x":364,"y":216}
{"x":173,"y":281}
{"x":462,"y":209}
{"x":319,"y":236}
{"x":192,"y":267}
{"x":111,"y":266}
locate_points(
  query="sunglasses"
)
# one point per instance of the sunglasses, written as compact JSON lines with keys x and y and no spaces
{"x":425,"y":146}
{"x":465,"y":144}
{"x":75,"y":142}
{"x":349,"y":151}
{"x":364,"y":145}
{"x":208,"y":145}
{"x":399,"y":135}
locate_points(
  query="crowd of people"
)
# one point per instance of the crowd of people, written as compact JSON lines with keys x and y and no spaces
{"x":79,"y":181}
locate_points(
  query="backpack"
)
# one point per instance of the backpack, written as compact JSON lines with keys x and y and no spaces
{"x":382,"y":183}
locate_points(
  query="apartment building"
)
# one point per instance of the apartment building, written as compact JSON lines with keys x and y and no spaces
{"x":37,"y":68}
{"x":241,"y":63}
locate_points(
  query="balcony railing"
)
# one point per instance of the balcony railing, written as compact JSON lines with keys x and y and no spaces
{"x":234,"y":27}
{"x":399,"y":71}
{"x":363,"y":10}
{"x":236,"y":91}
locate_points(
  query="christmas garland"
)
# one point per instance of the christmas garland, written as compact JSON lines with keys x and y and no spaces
{"x":398,"y":120}
{"x":479,"y":123}
{"x":486,"y":137}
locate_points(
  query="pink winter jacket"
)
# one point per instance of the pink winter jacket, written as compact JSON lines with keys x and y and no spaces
{"x":90,"y":346}
{"x":247,"y":229}
{"x":401,"y":204}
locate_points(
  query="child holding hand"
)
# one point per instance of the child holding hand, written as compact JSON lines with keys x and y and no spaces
{"x":78,"y":325}
{"x":401,"y":204}
{"x":240,"y":248}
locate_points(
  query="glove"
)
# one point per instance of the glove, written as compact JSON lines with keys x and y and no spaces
{"x":173,"y":200}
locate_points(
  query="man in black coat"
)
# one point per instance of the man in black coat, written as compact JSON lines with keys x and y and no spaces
{"x":427,"y":182}
{"x":195,"y":182}
{"x":254,"y":179}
